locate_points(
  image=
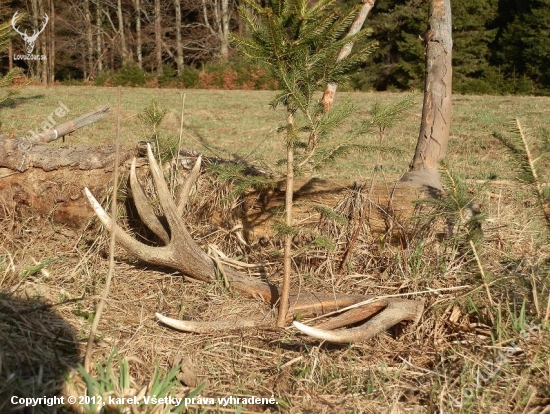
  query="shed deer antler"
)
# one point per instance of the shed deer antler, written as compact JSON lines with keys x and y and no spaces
{"x":182,"y":253}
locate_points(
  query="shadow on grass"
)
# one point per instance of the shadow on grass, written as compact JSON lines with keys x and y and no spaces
{"x":37,"y":348}
{"x":16,"y":100}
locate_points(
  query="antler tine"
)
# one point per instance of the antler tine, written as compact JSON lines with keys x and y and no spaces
{"x":207,"y":327}
{"x":165,"y":198}
{"x":144,"y":209}
{"x":353,"y":316}
{"x":184,"y":254}
{"x":396,"y":311}
{"x":155,"y":255}
{"x":191,"y":178}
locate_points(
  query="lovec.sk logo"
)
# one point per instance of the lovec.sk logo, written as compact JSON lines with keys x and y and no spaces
{"x":29,"y":40}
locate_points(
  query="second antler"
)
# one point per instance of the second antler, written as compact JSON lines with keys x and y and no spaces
{"x":182,"y":253}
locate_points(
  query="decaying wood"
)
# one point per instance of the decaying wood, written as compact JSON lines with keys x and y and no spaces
{"x":47,"y":181}
{"x":55,"y":195}
{"x":386,"y":204}
{"x":22,"y":153}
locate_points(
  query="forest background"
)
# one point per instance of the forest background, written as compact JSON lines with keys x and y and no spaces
{"x":500,"y":46}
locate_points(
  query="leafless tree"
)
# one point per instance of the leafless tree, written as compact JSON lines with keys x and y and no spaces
{"x":89,"y":63}
{"x":139,"y":54}
{"x":217,"y":14}
{"x":122,"y":35}
{"x":179,"y":44}
{"x":158,"y":37}
{"x":51,"y":42}
{"x":98,"y":35}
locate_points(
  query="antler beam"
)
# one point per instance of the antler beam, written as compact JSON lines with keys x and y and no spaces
{"x":182,"y":253}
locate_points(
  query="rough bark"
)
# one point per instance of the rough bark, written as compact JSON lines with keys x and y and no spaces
{"x":51,"y":42}
{"x":46,"y":181}
{"x":10,"y":56}
{"x":20,"y":154}
{"x":158,"y":37}
{"x":139,"y":54}
{"x":35,"y":64}
{"x":384,"y":205}
{"x":43,"y":47}
{"x":220,"y":25}
{"x":179,"y":44}
{"x":99,"y":41}
{"x":55,"y":194}
{"x":436,"y":112}
{"x":224,"y":30}
{"x":89,"y":59}
{"x":123,"y":46}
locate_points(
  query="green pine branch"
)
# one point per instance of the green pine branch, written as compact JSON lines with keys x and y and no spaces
{"x":528,"y":159}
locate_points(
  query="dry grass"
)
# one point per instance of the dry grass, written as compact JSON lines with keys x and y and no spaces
{"x":465,"y":356}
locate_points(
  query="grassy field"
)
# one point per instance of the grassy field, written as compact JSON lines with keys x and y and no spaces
{"x":482,"y":345}
{"x":241,"y":124}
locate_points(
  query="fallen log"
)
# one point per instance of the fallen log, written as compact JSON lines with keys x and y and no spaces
{"x":46,"y":181}
{"x":21,"y":153}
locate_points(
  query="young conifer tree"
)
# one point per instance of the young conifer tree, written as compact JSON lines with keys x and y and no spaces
{"x":298,"y":42}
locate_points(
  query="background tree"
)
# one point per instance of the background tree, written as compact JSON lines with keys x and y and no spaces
{"x":500,"y":46}
{"x":522,"y":46}
{"x":179,"y":44}
{"x":474,"y":31}
{"x":7,"y":81}
{"x":217,"y":15}
{"x":398,"y":62}
{"x":158,"y":37}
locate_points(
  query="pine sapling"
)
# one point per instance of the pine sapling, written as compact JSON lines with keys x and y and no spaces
{"x":298,"y":43}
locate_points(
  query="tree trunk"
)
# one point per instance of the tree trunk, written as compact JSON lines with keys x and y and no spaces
{"x":220,"y":25}
{"x":43,"y":46}
{"x":89,"y":39}
{"x":20,"y":154}
{"x":10,"y":56}
{"x":123,"y":47}
{"x":51,"y":42}
{"x":289,"y":195}
{"x":39,"y":179}
{"x":224,"y":30}
{"x":179,"y":44}
{"x":158,"y":37}
{"x":99,"y":42}
{"x":35,"y":64}
{"x":137,"y":5}
{"x":436,"y":112}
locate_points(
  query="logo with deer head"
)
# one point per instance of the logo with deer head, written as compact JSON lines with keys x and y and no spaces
{"x":29,"y":40}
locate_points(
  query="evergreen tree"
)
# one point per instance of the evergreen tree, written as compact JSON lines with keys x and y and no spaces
{"x":298,"y":43}
{"x":522,"y":46}
{"x":474,"y":30}
{"x":398,"y":63}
